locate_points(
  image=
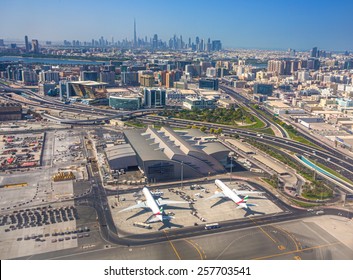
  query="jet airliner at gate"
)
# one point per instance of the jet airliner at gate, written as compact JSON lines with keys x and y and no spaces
{"x":233,"y":195}
{"x":156,"y":206}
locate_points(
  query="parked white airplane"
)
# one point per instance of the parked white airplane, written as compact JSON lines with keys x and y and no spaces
{"x":232,"y":194}
{"x":239,"y":192}
{"x":156,"y":205}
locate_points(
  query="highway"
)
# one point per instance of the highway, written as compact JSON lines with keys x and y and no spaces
{"x":110,"y":114}
{"x":55,"y":104}
{"x":301,"y":133}
{"x":245,"y":102}
{"x":74,"y":108}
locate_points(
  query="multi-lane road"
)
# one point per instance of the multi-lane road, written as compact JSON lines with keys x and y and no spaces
{"x":242,"y":101}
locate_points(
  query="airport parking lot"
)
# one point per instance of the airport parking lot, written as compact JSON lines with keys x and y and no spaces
{"x":37,"y":212}
{"x":200,"y":211}
{"x":46,"y":229}
{"x":20,"y":150}
{"x":31,"y":230}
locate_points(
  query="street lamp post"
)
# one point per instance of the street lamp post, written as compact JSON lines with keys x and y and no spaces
{"x":181,"y":174}
{"x":231,"y":154}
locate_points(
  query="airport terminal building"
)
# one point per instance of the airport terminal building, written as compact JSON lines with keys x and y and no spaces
{"x":169,"y":155}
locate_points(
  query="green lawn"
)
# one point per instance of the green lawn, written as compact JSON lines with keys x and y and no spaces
{"x":218,"y":116}
{"x":303,"y":204}
{"x":270,"y":182}
{"x":292,"y":132}
{"x":266,"y":130}
{"x":135,"y":124}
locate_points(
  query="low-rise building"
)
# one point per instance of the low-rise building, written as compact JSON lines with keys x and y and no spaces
{"x":266,"y":89}
{"x":10,"y":111}
{"x":226,"y":103}
{"x":192,"y":103}
{"x":180,"y":94}
{"x":130,"y":102}
{"x":208,"y":83}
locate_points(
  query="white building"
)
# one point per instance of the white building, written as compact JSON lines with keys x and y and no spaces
{"x":303,"y":76}
{"x":211,"y":72}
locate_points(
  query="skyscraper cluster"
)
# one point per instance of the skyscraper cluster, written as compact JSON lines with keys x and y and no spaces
{"x":34,"y":47}
{"x":154,"y":43}
{"x":315,"y":52}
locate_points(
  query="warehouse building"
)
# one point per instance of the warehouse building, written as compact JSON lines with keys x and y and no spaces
{"x":208,"y":144}
{"x":121,"y":157}
{"x":165,"y":154}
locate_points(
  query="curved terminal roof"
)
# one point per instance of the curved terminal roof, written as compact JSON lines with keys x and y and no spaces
{"x":144,"y":146}
{"x":214,"y":147}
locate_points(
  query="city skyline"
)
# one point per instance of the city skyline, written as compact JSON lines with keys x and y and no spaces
{"x":269,"y":25}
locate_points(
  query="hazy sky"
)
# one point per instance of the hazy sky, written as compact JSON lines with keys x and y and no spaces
{"x":298,"y":24}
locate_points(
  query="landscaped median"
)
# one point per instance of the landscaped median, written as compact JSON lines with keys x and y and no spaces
{"x":236,"y":117}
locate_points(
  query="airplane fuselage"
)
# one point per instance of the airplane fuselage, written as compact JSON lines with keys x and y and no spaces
{"x":230,"y":194}
{"x":152,"y":204}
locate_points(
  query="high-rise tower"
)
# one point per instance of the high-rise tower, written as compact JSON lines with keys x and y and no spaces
{"x":135,"y":41}
{"x":26,"y":44}
{"x":35,"y":46}
{"x":313,"y":52}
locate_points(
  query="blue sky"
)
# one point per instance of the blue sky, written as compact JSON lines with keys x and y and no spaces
{"x":250,"y":24}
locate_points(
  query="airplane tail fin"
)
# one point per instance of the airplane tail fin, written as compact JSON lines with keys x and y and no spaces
{"x":246,"y":198}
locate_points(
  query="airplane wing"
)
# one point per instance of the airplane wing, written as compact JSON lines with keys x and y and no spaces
{"x":162,"y":202}
{"x":220,"y":194}
{"x":138,"y":205}
{"x":251,"y":204}
{"x":247,"y":192}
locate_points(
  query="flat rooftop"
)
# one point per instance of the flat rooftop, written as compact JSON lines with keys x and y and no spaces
{"x":327,"y":112}
{"x":88,"y":83}
{"x":240,"y":145}
{"x":119,"y":151}
{"x":271,"y":164}
{"x":118,"y":90}
{"x":187,"y":91}
{"x":278,"y":104}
